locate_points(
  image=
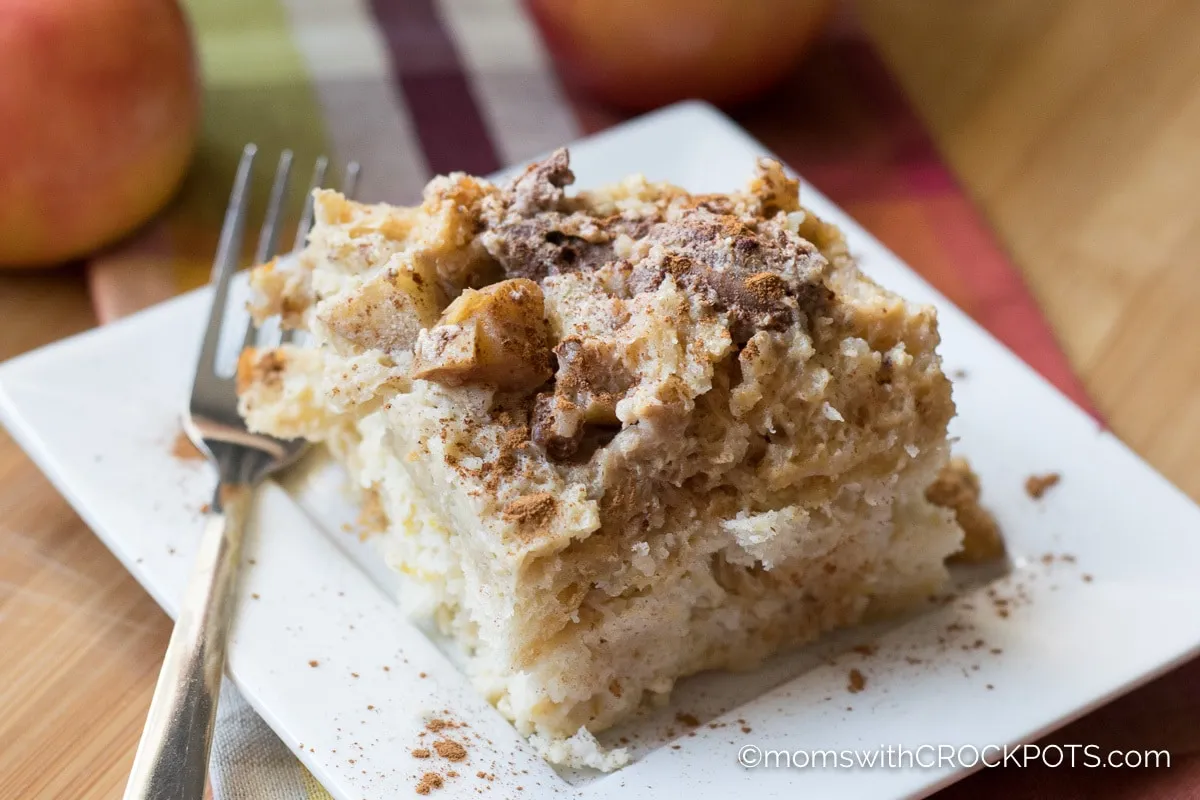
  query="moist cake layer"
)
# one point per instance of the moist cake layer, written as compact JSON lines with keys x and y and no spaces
{"x":620,"y":436}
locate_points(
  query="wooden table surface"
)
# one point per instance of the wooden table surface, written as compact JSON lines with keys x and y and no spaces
{"x":1076,"y":126}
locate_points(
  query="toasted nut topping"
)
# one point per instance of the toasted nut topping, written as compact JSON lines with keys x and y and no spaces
{"x":496,"y":335}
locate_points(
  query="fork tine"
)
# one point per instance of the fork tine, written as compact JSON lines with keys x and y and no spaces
{"x":306,"y":216}
{"x":225,"y":264}
{"x":268,"y":235}
{"x":293,"y":335}
{"x":349,"y":186}
{"x":350,"y":179}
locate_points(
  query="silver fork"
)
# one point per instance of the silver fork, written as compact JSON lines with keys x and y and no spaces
{"x":172,"y":756}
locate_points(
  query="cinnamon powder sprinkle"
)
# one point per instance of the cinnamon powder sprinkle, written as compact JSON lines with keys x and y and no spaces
{"x":1038,"y":485}
{"x":372,"y":519}
{"x":450,"y":749}
{"x":183,"y":449}
{"x":314,"y":663}
{"x":435,"y":725}
{"x":766,"y":287}
{"x":688,"y":719}
{"x":857,"y":682}
{"x":532,"y":511}
{"x":429,"y":781}
{"x":421,"y":752}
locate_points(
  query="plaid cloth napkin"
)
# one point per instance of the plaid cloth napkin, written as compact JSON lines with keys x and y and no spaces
{"x":417,"y":87}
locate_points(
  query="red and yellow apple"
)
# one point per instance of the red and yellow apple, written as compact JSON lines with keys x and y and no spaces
{"x":642,"y":53}
{"x":99,"y":109}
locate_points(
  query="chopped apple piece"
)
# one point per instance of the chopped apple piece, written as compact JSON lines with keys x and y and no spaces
{"x":496,"y":335}
{"x":386,"y":312}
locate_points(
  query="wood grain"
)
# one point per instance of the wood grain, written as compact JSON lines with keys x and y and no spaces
{"x":1074,"y":124}
{"x":82,"y":641}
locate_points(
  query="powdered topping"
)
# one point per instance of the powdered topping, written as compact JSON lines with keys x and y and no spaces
{"x":183,"y":449}
{"x":428,"y":782}
{"x":758,"y":272}
{"x":540,"y":186}
{"x":589,"y":383}
{"x":1038,"y":485}
{"x":533,"y":231}
{"x":530,"y":513}
{"x":550,"y":244}
{"x":450,"y":749}
{"x":372,"y":518}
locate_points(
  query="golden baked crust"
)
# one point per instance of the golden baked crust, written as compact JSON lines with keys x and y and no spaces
{"x":957,"y":488}
{"x":667,"y":433}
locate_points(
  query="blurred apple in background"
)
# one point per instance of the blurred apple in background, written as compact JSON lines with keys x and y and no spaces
{"x":99,"y":107}
{"x":639,"y":54}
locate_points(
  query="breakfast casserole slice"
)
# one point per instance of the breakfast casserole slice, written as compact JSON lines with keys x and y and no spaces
{"x":620,"y":436}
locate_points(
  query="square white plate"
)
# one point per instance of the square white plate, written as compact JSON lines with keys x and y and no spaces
{"x":98,"y":413}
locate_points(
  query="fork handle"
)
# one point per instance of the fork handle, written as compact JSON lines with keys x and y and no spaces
{"x":172,"y":756}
